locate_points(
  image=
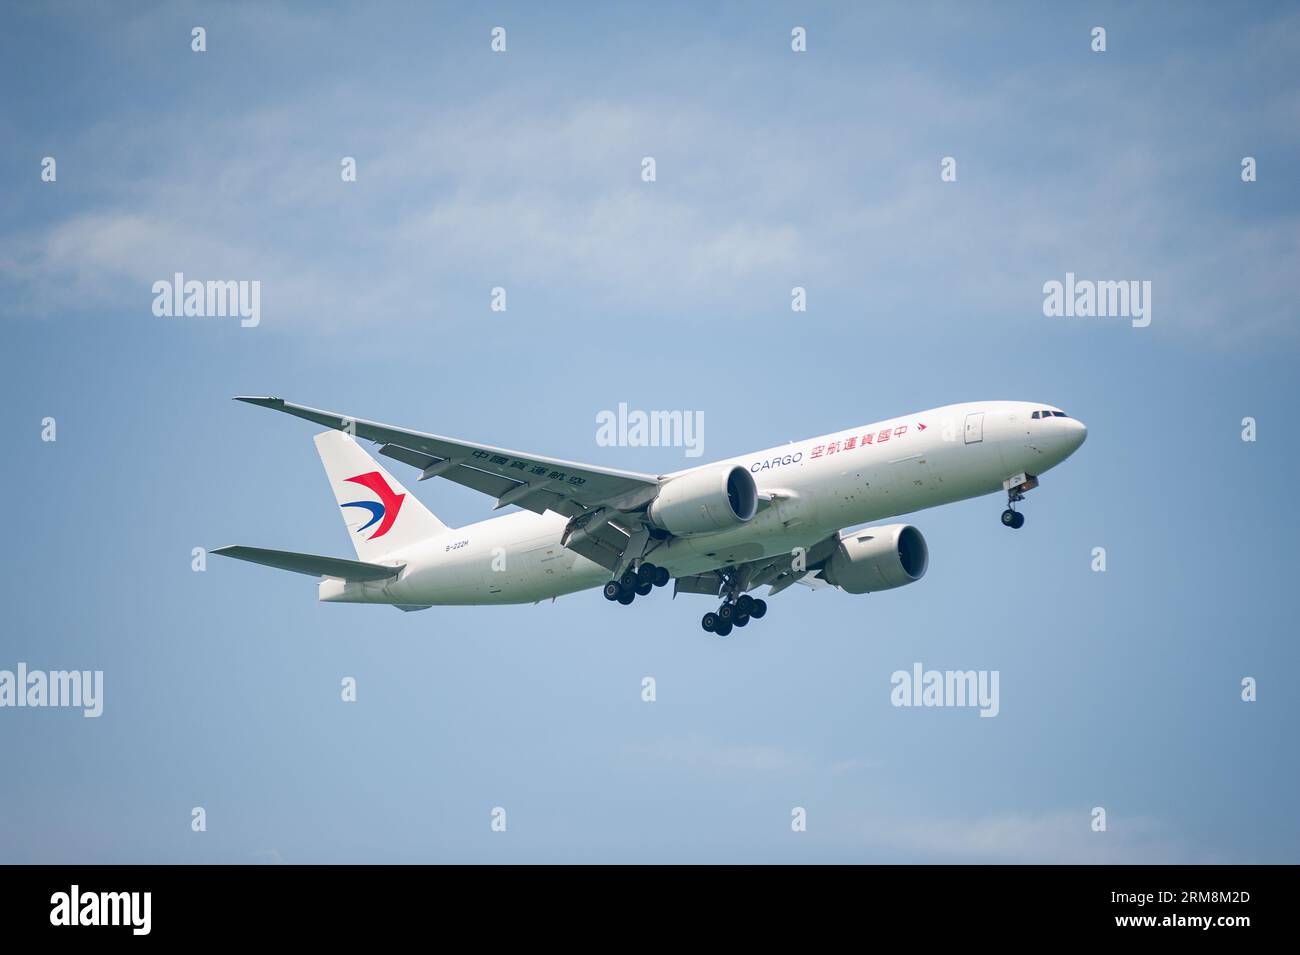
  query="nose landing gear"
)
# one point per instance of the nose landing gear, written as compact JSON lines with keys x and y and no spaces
{"x":1016,"y":488}
{"x":1012,"y":518}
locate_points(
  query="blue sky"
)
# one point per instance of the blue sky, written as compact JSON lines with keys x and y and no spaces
{"x":774,"y":170}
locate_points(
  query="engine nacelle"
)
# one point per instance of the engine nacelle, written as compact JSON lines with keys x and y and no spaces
{"x":705,"y":501}
{"x":878,"y":558}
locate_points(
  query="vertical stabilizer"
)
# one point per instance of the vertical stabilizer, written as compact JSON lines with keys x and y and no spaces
{"x":381,"y":515}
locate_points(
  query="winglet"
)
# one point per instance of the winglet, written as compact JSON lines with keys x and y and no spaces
{"x":329,"y":419}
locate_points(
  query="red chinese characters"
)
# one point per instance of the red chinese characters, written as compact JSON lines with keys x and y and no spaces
{"x":856,"y":441}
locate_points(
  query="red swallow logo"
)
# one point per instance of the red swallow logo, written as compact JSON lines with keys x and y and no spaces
{"x":384,"y":511}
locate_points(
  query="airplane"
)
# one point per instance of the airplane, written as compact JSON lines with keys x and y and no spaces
{"x":772,"y":518}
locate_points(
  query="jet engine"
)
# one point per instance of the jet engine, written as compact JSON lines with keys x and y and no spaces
{"x":878,"y":558}
{"x":705,"y":501}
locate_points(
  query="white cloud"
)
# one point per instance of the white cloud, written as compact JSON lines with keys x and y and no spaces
{"x":515,"y":184}
{"x":1062,"y":836}
{"x":699,"y":754}
{"x":856,"y":764}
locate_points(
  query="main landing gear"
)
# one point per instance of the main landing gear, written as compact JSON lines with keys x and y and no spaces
{"x":636,"y":583}
{"x":734,"y":613}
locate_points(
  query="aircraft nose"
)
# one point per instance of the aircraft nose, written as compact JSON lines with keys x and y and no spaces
{"x":1077,"y":434}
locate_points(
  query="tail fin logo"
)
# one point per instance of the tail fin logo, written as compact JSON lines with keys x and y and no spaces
{"x":382,"y":512}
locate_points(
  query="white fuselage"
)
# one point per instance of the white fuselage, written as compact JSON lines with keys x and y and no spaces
{"x":819,"y":485}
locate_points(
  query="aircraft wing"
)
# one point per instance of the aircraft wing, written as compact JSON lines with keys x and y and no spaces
{"x":595,"y":499}
{"x":531,"y":481}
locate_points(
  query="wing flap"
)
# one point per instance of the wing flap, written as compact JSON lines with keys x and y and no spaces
{"x":709,"y":584}
{"x":603,"y":545}
{"x":416,"y":459}
{"x":476,"y":480}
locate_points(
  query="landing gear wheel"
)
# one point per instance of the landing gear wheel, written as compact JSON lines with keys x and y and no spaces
{"x":612,"y":590}
{"x":625,"y":597}
{"x":723,"y":628}
{"x":727,"y":612}
{"x":759,"y":609}
{"x":710,"y":622}
{"x":744,"y":603}
{"x":1011,"y":517}
{"x":628,"y":580}
{"x":645,"y":575}
{"x":741,"y":619}
{"x":661,"y":577}
{"x":643,"y":589}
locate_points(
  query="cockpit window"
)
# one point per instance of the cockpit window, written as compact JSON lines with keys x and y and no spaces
{"x":1035,"y":414}
{"x":1060,"y":414}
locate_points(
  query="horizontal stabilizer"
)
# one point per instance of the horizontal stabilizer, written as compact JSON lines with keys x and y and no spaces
{"x":311,"y":564}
